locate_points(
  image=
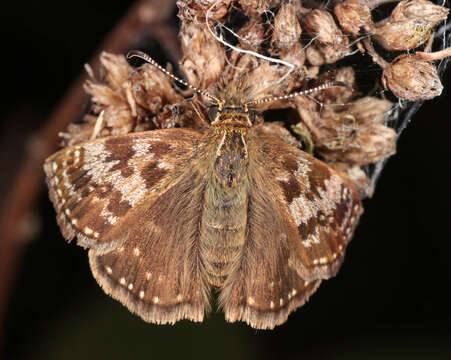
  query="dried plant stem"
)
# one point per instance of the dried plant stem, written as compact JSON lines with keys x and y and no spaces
{"x":145,"y":16}
{"x":376,"y":57}
{"x":438,"y":55}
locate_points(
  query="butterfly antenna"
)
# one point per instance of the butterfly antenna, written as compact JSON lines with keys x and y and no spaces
{"x":147,"y":58}
{"x":300,"y":93}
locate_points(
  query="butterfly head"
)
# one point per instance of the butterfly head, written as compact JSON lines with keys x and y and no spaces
{"x":231,"y":107}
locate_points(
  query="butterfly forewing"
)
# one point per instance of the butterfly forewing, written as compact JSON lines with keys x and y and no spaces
{"x":94,"y":185}
{"x":322,"y":210}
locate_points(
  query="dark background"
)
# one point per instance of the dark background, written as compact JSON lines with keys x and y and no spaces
{"x":390,"y":300}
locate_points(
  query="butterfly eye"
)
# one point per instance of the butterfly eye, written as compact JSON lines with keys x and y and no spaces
{"x":212,"y":113}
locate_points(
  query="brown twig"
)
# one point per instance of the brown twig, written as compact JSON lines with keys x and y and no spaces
{"x":145,"y":16}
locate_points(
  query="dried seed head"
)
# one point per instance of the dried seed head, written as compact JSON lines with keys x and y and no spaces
{"x":356,"y":177}
{"x":314,"y":56}
{"x":295,"y":55}
{"x":368,"y":144}
{"x":287,"y":30}
{"x":329,"y":39}
{"x":371,"y":110}
{"x":115,"y":69}
{"x":255,"y":8}
{"x":410,"y":25}
{"x":337,"y":95}
{"x":419,"y":10}
{"x":403,"y":35}
{"x":321,"y":25}
{"x":251,"y":35}
{"x":196,"y":10}
{"x":353,"y":15}
{"x":412,"y":79}
{"x":152,"y":90}
{"x":204,"y":57}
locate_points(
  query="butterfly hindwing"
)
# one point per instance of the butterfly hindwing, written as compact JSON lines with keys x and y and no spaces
{"x":156,"y":273}
{"x":264,"y":289}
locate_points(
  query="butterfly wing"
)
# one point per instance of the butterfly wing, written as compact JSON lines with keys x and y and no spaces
{"x":301,"y":215}
{"x":264,"y":289}
{"x":320,"y":209}
{"x":134,"y":201}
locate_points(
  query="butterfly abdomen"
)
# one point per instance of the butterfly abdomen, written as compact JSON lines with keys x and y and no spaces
{"x":223,"y":228}
{"x":224,"y":215}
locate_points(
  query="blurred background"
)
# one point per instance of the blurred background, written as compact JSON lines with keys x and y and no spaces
{"x":390,"y":300}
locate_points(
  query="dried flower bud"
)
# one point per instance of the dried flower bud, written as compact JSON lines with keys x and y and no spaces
{"x":419,"y":10}
{"x":295,"y":55}
{"x":314,"y":56}
{"x":403,"y":35}
{"x":321,"y":25}
{"x":251,"y":35}
{"x":337,"y":94}
{"x":368,"y":144}
{"x":353,"y":15}
{"x":287,"y":30}
{"x":356,"y":177}
{"x":410,"y":25}
{"x":204,"y":57}
{"x":370,"y":110}
{"x":330,"y":40}
{"x":412,"y":79}
{"x":196,"y":10}
{"x":254,"y":8}
{"x":151,"y":89}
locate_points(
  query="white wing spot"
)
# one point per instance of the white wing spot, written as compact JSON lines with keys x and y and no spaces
{"x":67,"y":212}
{"x":271,"y":304}
{"x":59,"y":192}
{"x":281,"y":302}
{"x":108,"y":270}
{"x":87,"y":230}
{"x":74,"y":221}
{"x":136,"y":251}
{"x":54,"y":166}
{"x":141,"y":294}
{"x":130,"y":286}
{"x":164,"y":165}
{"x":179,"y":297}
{"x":148,"y":275}
{"x":156,"y":299}
{"x":122,"y":281}
{"x":250,"y":300}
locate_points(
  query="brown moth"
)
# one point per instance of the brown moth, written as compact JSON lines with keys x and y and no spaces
{"x":171,"y":215}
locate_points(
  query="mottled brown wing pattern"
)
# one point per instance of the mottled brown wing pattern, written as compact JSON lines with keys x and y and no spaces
{"x":119,"y":196}
{"x":322,"y":211}
{"x":95,"y":184}
{"x":264,"y":289}
{"x":156,"y":273}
